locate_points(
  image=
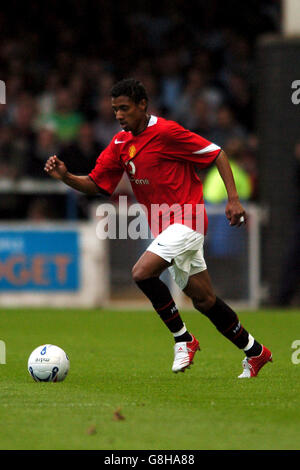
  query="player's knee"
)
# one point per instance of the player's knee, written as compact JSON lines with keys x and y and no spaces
{"x":138,"y":273}
{"x":205,"y":302}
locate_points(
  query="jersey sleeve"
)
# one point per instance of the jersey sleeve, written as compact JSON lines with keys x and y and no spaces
{"x":108,"y":170}
{"x":181,"y":143}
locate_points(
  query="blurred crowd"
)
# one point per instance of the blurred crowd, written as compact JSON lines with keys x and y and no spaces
{"x":59,"y":64}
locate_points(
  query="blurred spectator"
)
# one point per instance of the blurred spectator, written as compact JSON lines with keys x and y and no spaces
{"x":105,"y":82}
{"x":8,"y":165}
{"x":239,"y":97}
{"x":145,"y":74}
{"x":18,"y":139}
{"x":80,"y":157}
{"x":46,"y":99}
{"x":14,"y":88}
{"x":106,"y":126}
{"x":214,"y":189}
{"x":201,"y":118}
{"x":45,"y":146}
{"x":171,"y":81}
{"x":226,"y":127}
{"x":65,"y":120}
{"x":237,"y":57}
{"x":195,"y":82}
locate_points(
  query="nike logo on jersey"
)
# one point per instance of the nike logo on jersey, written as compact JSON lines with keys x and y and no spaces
{"x":119,"y":141}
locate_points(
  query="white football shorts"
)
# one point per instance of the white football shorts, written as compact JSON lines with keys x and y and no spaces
{"x":183,"y":247}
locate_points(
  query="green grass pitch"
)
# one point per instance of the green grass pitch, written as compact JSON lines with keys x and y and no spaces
{"x":121,"y":367}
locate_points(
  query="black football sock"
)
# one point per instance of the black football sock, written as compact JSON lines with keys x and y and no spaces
{"x":254,"y":350}
{"x":182,"y":336}
{"x":186,"y":337}
{"x":226,"y":321}
{"x":162,"y":301}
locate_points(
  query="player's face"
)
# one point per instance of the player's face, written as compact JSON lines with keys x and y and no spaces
{"x":131,"y":116}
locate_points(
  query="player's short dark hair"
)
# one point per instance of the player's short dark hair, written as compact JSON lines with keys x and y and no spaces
{"x":130,"y":87}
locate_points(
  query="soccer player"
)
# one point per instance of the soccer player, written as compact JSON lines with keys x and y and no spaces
{"x":159,"y":157}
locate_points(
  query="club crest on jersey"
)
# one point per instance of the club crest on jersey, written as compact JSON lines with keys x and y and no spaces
{"x":131,"y":151}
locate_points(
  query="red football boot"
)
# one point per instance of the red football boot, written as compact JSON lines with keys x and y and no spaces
{"x":252,"y":365}
{"x":184,"y":353}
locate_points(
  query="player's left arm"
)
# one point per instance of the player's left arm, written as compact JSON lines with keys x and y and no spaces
{"x":234,"y":211}
{"x":181,"y":143}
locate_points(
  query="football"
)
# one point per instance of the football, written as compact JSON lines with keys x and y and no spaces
{"x":48,"y":363}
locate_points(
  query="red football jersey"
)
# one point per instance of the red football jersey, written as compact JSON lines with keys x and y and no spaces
{"x":160,"y":163}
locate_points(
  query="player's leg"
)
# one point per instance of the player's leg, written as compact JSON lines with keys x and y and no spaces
{"x":146,"y":274}
{"x":199,"y":289}
{"x":176,"y":244}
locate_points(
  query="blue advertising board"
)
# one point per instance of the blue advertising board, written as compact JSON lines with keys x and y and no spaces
{"x":39,"y":260}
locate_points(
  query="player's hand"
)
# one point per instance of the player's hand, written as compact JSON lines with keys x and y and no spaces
{"x":55,"y":168}
{"x":235,"y":213}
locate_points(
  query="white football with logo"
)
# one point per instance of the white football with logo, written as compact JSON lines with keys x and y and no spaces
{"x":48,"y":363}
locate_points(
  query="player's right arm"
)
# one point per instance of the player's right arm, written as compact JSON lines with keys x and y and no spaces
{"x":103,"y":178}
{"x":58,"y":170}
